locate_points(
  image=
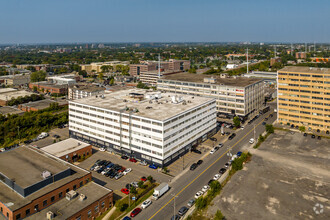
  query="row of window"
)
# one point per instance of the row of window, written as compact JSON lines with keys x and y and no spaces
{"x":303,"y":75}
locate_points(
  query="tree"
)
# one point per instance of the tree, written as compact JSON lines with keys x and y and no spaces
{"x":100,"y":76}
{"x":133,"y":190}
{"x":38,"y":76}
{"x":261,"y":138}
{"x":201,"y":203}
{"x":141,"y":184}
{"x":236,"y":121}
{"x":270,"y":128}
{"x":218,"y":215}
{"x":104,"y":68}
{"x":215,"y":187}
{"x":112,"y":81}
{"x":302,"y":128}
{"x":151,"y":179}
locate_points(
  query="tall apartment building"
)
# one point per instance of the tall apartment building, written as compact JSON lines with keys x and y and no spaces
{"x":304,"y":97}
{"x":301,"y":55}
{"x":167,"y":66}
{"x":154,"y":127}
{"x":234,"y":96}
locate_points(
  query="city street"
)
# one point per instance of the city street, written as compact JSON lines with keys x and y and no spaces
{"x":185,"y":187}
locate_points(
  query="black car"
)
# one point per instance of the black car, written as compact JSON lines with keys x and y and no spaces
{"x":182,"y":210}
{"x":313,"y":136}
{"x":175,"y":217}
{"x":199,"y":162}
{"x":305,"y":134}
{"x":222,"y":170}
{"x":196,"y":151}
{"x":271,"y":115}
{"x":209,"y":183}
{"x":193,"y":166}
{"x":227,"y":133}
{"x":56,"y":136}
{"x":28,"y":142}
{"x":232,"y":136}
{"x":213,"y":139}
{"x":264,"y":123}
{"x":319,"y":137}
{"x":128,"y":186}
{"x":124,"y":157}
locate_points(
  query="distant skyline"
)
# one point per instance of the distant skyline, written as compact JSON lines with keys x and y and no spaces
{"x":74,"y":21}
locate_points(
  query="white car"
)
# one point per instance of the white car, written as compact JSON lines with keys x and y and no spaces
{"x":102,"y":149}
{"x":234,"y":157}
{"x":251,"y":141}
{"x":216,"y":176}
{"x":135,"y":184}
{"x":213,"y":150}
{"x":227,"y":165}
{"x":242,"y":127}
{"x":146,"y":203}
{"x":198,"y":194}
{"x":205,"y":188}
{"x":127,"y":171}
{"x":104,"y":171}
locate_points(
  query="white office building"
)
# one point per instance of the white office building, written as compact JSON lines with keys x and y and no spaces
{"x":152,"y":126}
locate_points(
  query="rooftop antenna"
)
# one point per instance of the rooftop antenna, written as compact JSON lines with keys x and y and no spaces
{"x":274,"y":51}
{"x":305,"y":47}
{"x":291,"y":49}
{"x":247,"y":60}
{"x":314,"y":47}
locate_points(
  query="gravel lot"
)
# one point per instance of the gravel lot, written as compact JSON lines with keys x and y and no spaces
{"x":288,"y":178}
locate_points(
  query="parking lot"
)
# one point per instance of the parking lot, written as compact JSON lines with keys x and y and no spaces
{"x":62,"y":132}
{"x":134,"y":176}
{"x":288,"y":178}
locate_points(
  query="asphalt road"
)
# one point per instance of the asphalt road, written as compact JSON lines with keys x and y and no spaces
{"x":185,"y":187}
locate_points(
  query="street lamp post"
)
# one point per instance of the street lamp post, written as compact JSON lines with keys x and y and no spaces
{"x":19,"y":140}
{"x":174,"y":204}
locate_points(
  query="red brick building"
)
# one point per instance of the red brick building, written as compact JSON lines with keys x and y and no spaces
{"x":48,"y":87}
{"x":39,"y":183}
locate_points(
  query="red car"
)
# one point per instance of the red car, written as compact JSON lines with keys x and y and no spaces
{"x":135,"y":212}
{"x":143,"y":179}
{"x":124,"y":190}
{"x":122,"y":169}
{"x":132,"y":159}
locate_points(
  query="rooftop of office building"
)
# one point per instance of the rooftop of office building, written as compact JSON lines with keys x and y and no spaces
{"x":143,"y":103}
{"x":305,"y":69}
{"x":218,"y":80}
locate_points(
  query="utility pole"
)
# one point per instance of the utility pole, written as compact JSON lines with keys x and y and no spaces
{"x":254,"y":131}
{"x":291,"y":49}
{"x":159,"y":65}
{"x":174,"y":204}
{"x":19,"y":139}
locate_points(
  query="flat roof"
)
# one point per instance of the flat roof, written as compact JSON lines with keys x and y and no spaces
{"x":10,"y":110}
{"x":160,"y":110}
{"x":42,"y":104}
{"x":63,"y":209}
{"x":88,"y":88}
{"x":25,"y":165}
{"x":199,"y":78}
{"x":14,"y":94}
{"x":305,"y":69}
{"x":65,"y":147}
{"x":5,"y":90}
{"x":46,"y":83}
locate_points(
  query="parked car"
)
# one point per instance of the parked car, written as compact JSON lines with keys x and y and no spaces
{"x":198,"y":194}
{"x":191,"y":202}
{"x":132,"y":159}
{"x":264,"y":123}
{"x":127,"y":171}
{"x":213,"y":150}
{"x":213,"y":139}
{"x":216,"y":176}
{"x":153,"y":166}
{"x":193,"y":166}
{"x":56,"y":136}
{"x":182,"y":210}
{"x":205,"y":188}
{"x":319,"y":137}
{"x":305,"y":134}
{"x":199,"y":162}
{"x":102,"y":149}
{"x":125,"y":191}
{"x":313,"y":136}
{"x":210,"y":181}
{"x":222,"y":170}
{"x":175,"y":217}
{"x":196,"y":151}
{"x":227,"y":165}
{"x":239,"y":153}
{"x":143,"y":163}
{"x":220,"y":145}
{"x":126,"y":218}
{"x":231,"y":136}
{"x":124,"y":157}
{"x":143,"y":179}
{"x":146,"y":203}
{"x":119,"y":175}
{"x":251,"y":141}
{"x":135,"y":184}
{"x":135,"y":212}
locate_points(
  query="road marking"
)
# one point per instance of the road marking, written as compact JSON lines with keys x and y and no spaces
{"x":205,"y":170}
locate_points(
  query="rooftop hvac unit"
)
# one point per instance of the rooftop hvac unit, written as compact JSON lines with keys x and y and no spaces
{"x":71,"y":195}
{"x":45,"y":174}
{"x":50,"y":215}
{"x":82,"y":197}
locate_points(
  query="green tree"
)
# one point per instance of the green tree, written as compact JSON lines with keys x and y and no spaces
{"x":141,"y":184}
{"x":215,"y":187}
{"x":302,"y":128}
{"x":112,"y":81}
{"x":104,"y":68}
{"x":218,"y":215}
{"x":133,"y":190}
{"x":151,"y":179}
{"x":38,"y":76}
{"x":100,"y":76}
{"x":261,"y":138}
{"x":201,"y":203}
{"x":269,"y":128}
{"x":236,"y":121}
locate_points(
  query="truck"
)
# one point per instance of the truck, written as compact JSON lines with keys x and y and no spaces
{"x":160,"y":190}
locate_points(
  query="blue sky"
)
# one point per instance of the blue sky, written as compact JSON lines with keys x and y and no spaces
{"x":53,"y":21}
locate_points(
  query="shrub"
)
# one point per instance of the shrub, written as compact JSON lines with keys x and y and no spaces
{"x":270,"y":128}
{"x":302,"y":128}
{"x":201,"y":203}
{"x":151,"y":179}
{"x":218,"y":215}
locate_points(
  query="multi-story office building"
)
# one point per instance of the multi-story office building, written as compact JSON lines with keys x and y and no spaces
{"x":304,"y":97}
{"x":155,"y":127}
{"x":234,"y":96}
{"x":83,"y":91}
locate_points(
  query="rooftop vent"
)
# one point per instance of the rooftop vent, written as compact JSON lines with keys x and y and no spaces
{"x":148,"y":107}
{"x":82,"y":197}
{"x":45,"y":174}
{"x":71,"y":195}
{"x":210,"y":80}
{"x":50,"y":215}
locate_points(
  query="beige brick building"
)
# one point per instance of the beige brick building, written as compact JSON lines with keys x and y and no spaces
{"x":304,"y":97}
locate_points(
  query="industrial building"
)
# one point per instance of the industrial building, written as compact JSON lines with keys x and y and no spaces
{"x":152,"y":126}
{"x":40,"y":105}
{"x":234,"y":96}
{"x":304,"y":97}
{"x":70,"y":150}
{"x":15,"y":80}
{"x":7,"y":94}
{"x":36,"y":185}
